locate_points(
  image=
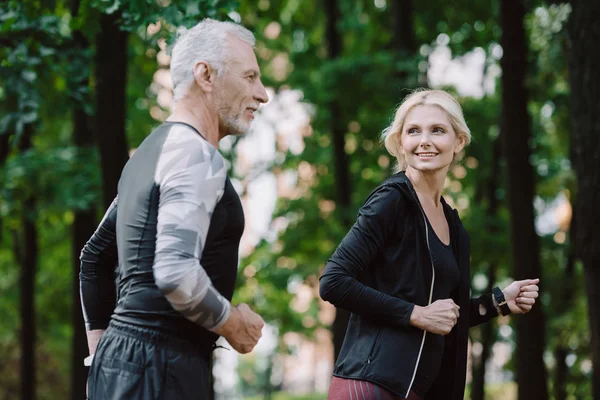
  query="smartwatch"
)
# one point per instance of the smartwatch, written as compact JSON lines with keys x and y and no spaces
{"x":499,"y":296}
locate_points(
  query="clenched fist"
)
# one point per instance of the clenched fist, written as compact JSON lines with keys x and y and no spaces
{"x":243,"y":329}
{"x":520,"y":295}
{"x":439,"y":317}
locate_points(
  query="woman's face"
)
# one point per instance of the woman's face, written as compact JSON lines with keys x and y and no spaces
{"x":428,"y":140}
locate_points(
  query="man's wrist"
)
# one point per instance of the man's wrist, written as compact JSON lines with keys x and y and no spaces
{"x":231,"y":324}
{"x":93,"y":338}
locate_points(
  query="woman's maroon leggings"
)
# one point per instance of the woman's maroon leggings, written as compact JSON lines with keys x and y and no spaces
{"x":352,"y":389}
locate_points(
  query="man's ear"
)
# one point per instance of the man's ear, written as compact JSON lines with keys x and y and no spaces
{"x":203,"y":75}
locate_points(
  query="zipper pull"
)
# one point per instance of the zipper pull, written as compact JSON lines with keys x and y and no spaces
{"x":368,"y":360}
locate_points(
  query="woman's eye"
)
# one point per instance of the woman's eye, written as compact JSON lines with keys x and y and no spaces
{"x":412,"y":131}
{"x":438,"y":130}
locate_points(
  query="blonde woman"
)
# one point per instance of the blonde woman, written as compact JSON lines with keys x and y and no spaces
{"x":403,"y":269}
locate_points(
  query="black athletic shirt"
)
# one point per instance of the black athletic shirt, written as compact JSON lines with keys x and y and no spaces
{"x":446,"y":281}
{"x":178,"y":226}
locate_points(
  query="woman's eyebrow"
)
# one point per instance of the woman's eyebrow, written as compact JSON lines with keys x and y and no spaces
{"x":414,"y":124}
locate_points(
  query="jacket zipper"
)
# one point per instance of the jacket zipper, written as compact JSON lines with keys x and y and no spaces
{"x":430,"y":297}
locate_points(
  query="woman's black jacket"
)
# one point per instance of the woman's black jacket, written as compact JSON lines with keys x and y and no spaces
{"x":379,"y":272}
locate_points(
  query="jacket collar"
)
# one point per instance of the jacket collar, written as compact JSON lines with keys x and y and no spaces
{"x":401,"y":179}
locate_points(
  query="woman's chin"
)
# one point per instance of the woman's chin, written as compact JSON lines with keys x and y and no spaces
{"x":428,"y":167}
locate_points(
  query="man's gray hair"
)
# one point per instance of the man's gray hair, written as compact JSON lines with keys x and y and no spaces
{"x":203,"y":42}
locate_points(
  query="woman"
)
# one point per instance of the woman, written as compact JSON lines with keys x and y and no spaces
{"x":403,"y":269}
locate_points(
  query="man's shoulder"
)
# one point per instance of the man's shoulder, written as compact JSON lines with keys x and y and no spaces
{"x":184,"y":141}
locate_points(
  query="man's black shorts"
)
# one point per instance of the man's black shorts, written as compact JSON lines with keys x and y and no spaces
{"x":138,"y":363}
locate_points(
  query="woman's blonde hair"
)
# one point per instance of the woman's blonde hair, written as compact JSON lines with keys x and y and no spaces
{"x":391,"y":136}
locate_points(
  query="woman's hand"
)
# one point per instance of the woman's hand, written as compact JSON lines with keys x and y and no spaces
{"x":520,"y":295}
{"x":439,"y":317}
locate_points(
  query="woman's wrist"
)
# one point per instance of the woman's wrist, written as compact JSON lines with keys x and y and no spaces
{"x":496,"y":306}
{"x":416,"y":317}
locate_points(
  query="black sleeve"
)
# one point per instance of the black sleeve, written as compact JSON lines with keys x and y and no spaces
{"x":340,"y":283}
{"x":96,"y":278}
{"x":482,"y":310}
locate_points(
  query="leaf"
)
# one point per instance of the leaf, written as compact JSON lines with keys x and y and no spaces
{"x":113,"y":8}
{"x":29,"y":76}
{"x":29,"y":118}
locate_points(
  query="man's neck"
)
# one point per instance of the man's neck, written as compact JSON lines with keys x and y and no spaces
{"x":200,"y":116}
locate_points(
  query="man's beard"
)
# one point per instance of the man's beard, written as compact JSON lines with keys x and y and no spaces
{"x":233,"y":123}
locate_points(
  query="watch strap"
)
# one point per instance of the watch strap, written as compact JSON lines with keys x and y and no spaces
{"x":499,"y":296}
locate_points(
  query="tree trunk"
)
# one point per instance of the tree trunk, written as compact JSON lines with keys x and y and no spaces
{"x":583,"y":31}
{"x":530,"y":331}
{"x":4,"y":147}
{"x":111,"y":73}
{"x":84,"y":225}
{"x":403,"y":43}
{"x":342,"y":166}
{"x":487,"y":330}
{"x":565,"y":303}
{"x":27,"y":254}
{"x":83,"y":228}
{"x":403,"y":28}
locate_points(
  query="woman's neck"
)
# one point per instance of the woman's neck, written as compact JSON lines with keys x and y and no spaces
{"x":428,"y":184}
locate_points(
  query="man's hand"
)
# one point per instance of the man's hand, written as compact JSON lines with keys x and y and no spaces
{"x":93,"y":337}
{"x":520,"y":295}
{"x":243,"y":329}
{"x":439,"y":317}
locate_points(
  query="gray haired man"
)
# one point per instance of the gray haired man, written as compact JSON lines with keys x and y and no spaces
{"x":175,"y":228}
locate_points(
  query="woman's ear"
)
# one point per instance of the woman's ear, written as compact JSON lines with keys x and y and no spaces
{"x":398,"y":139}
{"x":462,"y":141}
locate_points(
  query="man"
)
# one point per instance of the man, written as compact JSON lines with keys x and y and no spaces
{"x":175,"y":229}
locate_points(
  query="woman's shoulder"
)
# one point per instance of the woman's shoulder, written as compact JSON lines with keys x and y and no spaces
{"x":396,"y":187}
{"x":390,"y":195}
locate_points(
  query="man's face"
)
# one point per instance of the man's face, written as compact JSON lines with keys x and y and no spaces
{"x":239,"y":91}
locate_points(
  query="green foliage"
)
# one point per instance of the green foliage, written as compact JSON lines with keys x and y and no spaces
{"x":136,"y":14}
{"x":43,"y":174}
{"x":364,"y":83}
{"x":30,"y":47}
{"x":43,"y":75}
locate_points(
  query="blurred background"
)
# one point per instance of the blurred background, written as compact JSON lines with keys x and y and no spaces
{"x":82,"y":82}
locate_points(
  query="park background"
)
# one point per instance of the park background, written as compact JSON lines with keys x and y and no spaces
{"x":82,"y":82}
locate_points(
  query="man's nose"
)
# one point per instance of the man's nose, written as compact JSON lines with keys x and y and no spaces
{"x":261,"y":93}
